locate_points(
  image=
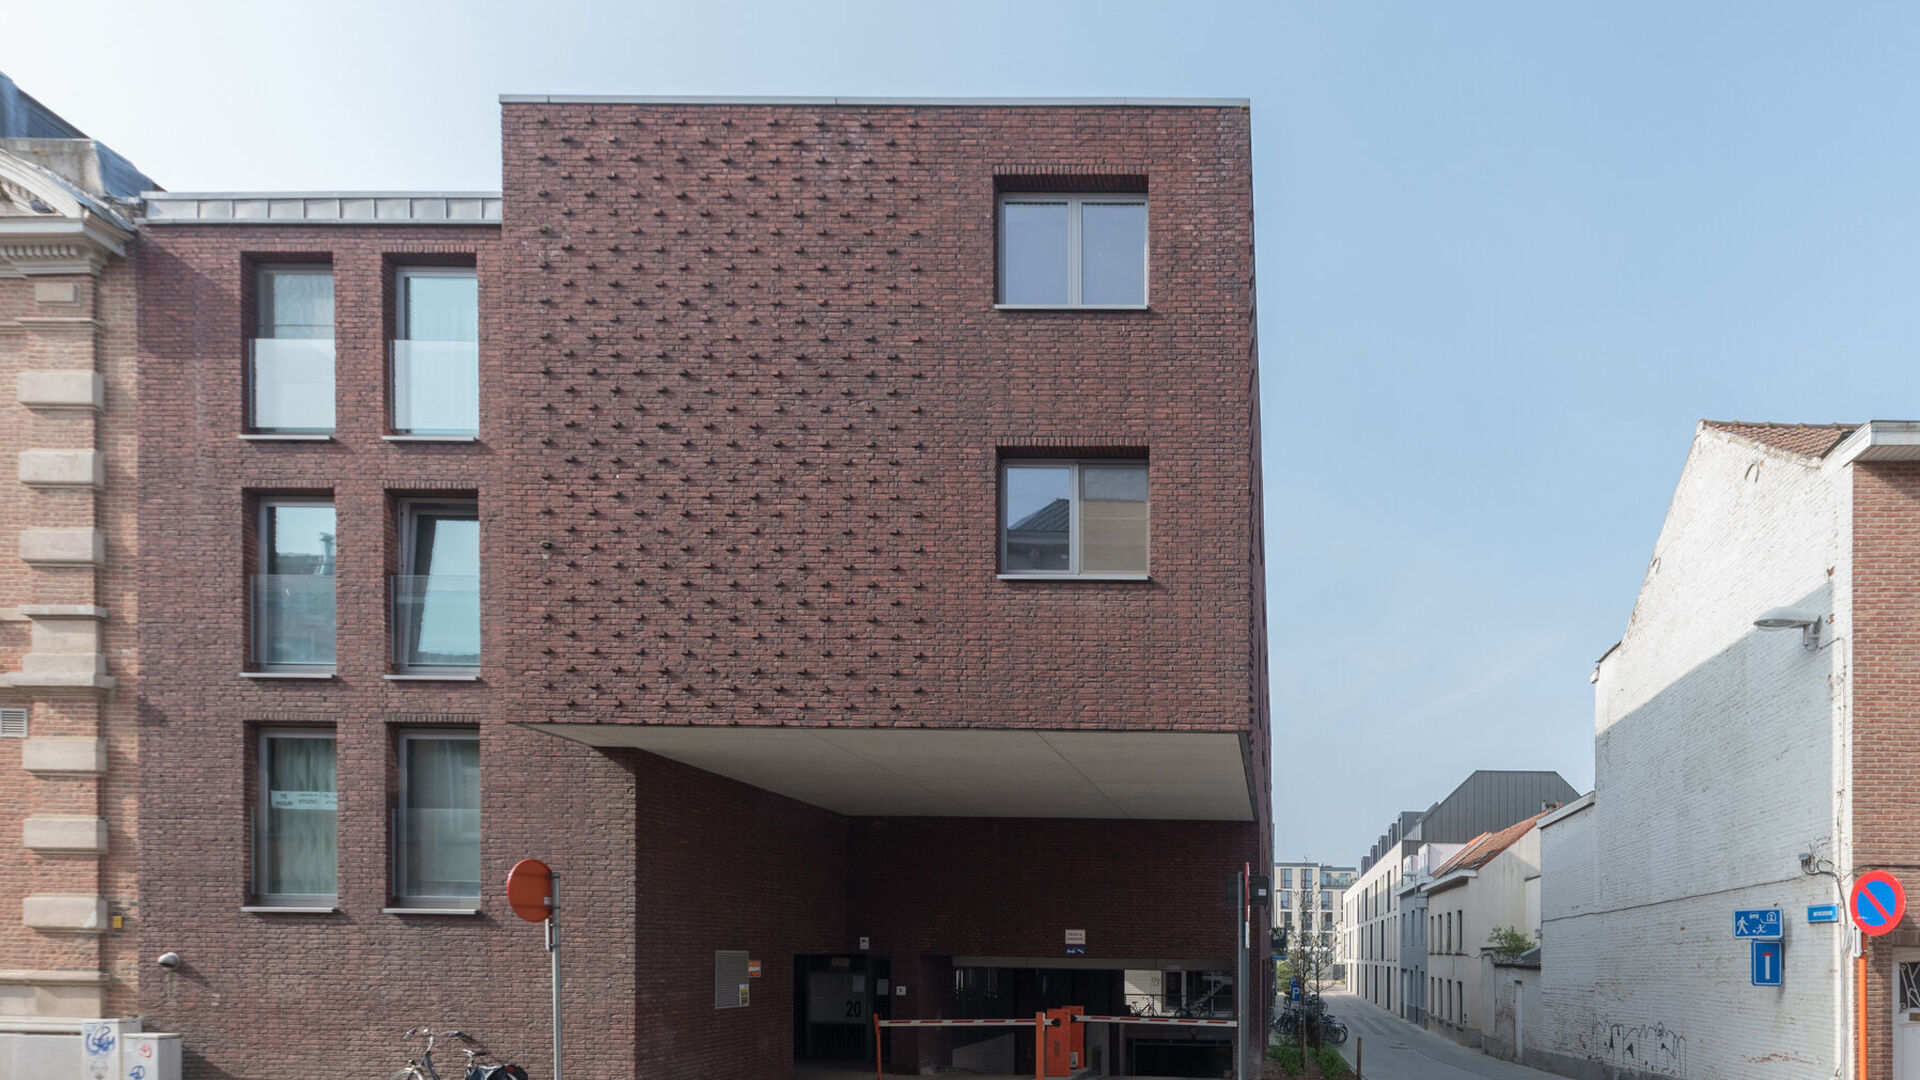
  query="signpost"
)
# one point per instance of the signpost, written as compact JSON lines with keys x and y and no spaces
{"x":1877,"y":903}
{"x":1769,"y":963}
{"x":1759,"y":923}
{"x":532,"y":893}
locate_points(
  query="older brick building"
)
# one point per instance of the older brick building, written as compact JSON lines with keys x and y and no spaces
{"x":68,"y":666}
{"x":826,"y":532}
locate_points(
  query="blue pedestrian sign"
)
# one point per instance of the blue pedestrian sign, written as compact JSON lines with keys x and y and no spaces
{"x":1819,"y":913}
{"x":1076,"y":950}
{"x":1760,"y":923}
{"x":1769,"y":963}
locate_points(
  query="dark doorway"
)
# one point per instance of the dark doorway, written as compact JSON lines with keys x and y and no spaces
{"x":834,"y":1002}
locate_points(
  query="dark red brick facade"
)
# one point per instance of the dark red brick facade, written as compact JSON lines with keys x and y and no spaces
{"x":744,"y":392}
{"x":1886,"y":716}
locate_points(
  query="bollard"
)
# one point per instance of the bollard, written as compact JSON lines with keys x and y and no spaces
{"x":1359,"y":1052}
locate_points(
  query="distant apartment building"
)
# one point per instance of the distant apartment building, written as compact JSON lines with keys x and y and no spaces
{"x":69,"y":673}
{"x":1386,"y":937}
{"x":1754,"y":748}
{"x":1308,"y":905}
{"x":825,"y":531}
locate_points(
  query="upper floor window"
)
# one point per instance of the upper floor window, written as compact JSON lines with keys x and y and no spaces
{"x":436,"y":615}
{"x":1073,"y":250}
{"x":293,"y":600}
{"x":290,"y":369}
{"x":437,"y":856}
{"x":1286,"y":879}
{"x":1074,"y":518}
{"x":436,"y":356}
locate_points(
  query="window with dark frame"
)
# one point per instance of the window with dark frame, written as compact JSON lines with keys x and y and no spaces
{"x":436,"y":595}
{"x":296,"y":819}
{"x":1071,"y":518}
{"x":436,"y":351}
{"x":1073,"y":250}
{"x":290,"y":371}
{"x":293,"y":608}
{"x":437,"y":824}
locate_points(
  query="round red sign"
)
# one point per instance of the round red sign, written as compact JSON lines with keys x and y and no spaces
{"x":530,"y":890}
{"x":1877,"y":903}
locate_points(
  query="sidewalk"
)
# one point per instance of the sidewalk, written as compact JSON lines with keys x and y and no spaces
{"x":1396,"y":1050}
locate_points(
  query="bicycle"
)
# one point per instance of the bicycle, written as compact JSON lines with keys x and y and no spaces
{"x":422,"y":1068}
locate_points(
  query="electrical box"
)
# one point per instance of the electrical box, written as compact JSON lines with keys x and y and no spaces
{"x":150,"y":1057}
{"x":1260,"y":890}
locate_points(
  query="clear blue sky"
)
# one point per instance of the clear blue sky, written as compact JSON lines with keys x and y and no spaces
{"x":1509,"y":253}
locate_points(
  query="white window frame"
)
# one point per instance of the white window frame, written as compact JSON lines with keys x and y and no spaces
{"x":257,"y":886}
{"x":401,"y":749}
{"x":1074,"y":203}
{"x":1073,"y":519}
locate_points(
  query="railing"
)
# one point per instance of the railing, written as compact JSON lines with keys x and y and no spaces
{"x":436,"y":621}
{"x":290,"y":385}
{"x":293,"y":620}
{"x":436,"y":387}
{"x":438,"y":854}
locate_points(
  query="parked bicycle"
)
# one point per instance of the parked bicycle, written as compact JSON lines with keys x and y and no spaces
{"x":422,"y":1067}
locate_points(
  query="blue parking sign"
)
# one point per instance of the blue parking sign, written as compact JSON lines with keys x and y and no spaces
{"x":1769,"y":963}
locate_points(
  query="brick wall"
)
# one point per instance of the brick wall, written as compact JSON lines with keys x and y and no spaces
{"x":1886,"y":719}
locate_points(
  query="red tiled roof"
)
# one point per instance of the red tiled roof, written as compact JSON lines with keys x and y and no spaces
{"x":1812,"y":440}
{"x":1483,"y":848}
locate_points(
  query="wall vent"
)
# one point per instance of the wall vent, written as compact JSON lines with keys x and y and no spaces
{"x":13,"y":723}
{"x":729,"y":979}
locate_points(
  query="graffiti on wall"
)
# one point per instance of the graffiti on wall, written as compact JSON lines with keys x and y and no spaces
{"x":1651,"y":1047}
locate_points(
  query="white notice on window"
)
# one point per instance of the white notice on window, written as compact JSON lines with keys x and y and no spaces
{"x":304,"y":800}
{"x":859,"y":984}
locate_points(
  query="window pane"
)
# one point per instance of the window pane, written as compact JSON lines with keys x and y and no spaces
{"x":300,"y":852}
{"x":441,"y":307}
{"x":293,"y":596}
{"x":296,"y":304}
{"x":440,"y":828}
{"x":1038,"y":504}
{"x":1113,"y":253}
{"x":1113,"y":519}
{"x":1033,"y":242}
{"x":436,"y":360}
{"x":437,"y":597}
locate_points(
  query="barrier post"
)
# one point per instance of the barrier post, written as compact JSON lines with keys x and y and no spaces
{"x":1040,"y":1046}
{"x":1359,"y":1054}
{"x":879,"y":1063}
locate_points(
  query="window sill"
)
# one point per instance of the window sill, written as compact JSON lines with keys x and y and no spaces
{"x":432,"y":438}
{"x":421,"y":676}
{"x":286,"y":909}
{"x":1071,"y":307}
{"x":1074,"y":577}
{"x":282,"y":436}
{"x":326,"y":673}
{"x":455,"y":911}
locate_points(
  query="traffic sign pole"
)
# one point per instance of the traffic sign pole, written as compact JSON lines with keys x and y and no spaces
{"x":553,"y":950}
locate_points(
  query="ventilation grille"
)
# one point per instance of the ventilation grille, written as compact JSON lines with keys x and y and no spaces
{"x":13,"y":723}
{"x":729,"y":979}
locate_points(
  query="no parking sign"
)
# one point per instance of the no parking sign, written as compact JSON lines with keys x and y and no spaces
{"x":1877,"y":903}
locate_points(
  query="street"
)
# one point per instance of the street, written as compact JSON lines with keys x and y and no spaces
{"x":1396,"y":1050}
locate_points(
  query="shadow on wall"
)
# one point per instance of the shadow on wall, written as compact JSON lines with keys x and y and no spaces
{"x":1681,"y":781}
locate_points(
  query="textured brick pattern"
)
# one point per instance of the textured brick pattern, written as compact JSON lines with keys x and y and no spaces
{"x":1886,"y":716}
{"x":743,"y":395}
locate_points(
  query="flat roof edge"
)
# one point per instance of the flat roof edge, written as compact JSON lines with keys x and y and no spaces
{"x":957,"y":102}
{"x":162,"y":196}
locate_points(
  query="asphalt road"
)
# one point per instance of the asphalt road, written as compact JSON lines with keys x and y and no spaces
{"x":1396,"y":1050}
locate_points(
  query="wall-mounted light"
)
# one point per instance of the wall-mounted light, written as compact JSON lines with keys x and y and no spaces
{"x":1786,"y":618}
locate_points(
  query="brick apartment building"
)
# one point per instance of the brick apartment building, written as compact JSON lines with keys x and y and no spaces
{"x":1755,"y":747}
{"x":826,"y":532}
{"x":68,"y":671}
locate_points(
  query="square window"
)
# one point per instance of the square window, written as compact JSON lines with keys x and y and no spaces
{"x":1073,"y":251}
{"x":293,"y":595}
{"x":436,"y":355}
{"x":296,"y":820}
{"x":436,"y":596}
{"x":437,"y":848}
{"x":1074,"y":518}
{"x":290,"y":369}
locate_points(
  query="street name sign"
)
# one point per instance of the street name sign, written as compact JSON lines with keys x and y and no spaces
{"x":1758,"y":923}
{"x":1823,"y":913}
{"x":1877,"y":903}
{"x":1769,"y":963}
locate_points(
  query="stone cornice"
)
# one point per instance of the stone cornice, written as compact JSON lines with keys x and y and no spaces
{"x":32,"y":246}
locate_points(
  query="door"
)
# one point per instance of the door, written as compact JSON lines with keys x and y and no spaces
{"x":1906,"y":1018}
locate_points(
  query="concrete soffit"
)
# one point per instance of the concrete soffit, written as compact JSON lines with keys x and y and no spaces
{"x":1878,"y":440}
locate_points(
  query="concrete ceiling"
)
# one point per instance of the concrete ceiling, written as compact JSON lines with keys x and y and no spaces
{"x":913,"y":772}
